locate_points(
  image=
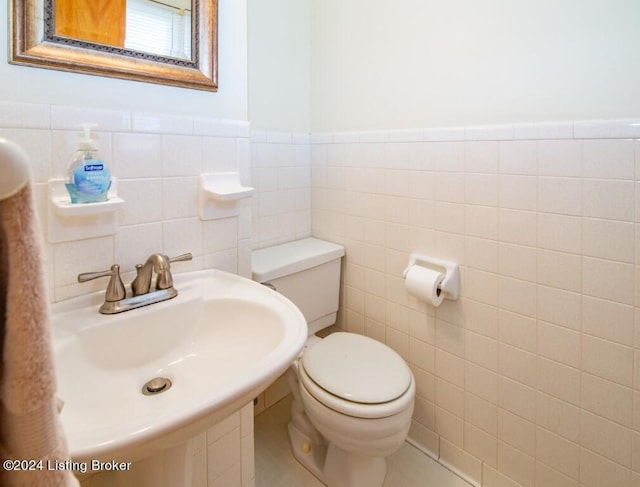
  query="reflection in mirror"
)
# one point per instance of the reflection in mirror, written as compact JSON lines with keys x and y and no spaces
{"x":161,"y":27}
{"x":171,"y":42}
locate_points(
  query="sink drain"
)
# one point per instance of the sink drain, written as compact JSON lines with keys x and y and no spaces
{"x":156,"y":386}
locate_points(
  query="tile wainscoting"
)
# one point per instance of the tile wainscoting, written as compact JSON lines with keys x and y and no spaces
{"x":532,"y":377}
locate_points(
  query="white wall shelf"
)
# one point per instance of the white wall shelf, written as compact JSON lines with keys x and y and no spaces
{"x":76,"y":221}
{"x":220,"y":194}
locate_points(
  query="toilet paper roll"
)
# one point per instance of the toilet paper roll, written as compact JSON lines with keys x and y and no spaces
{"x":425,"y":284}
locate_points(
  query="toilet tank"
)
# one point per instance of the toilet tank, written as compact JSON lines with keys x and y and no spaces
{"x":307,"y":272}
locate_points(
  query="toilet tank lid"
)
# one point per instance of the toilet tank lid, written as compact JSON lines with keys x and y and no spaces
{"x":285,"y":259}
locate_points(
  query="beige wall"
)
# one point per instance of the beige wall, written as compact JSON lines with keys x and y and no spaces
{"x":377,"y":65}
{"x":279,"y":65}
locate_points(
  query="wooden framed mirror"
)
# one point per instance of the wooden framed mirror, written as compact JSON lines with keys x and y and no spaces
{"x":53,"y":34}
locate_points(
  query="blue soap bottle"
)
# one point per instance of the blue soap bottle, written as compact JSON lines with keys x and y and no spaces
{"x":88,"y":177}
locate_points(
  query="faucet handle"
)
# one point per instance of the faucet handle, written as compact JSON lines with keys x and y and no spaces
{"x":179,"y":258}
{"x":115,"y":289}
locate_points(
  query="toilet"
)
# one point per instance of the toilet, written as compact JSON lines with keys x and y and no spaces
{"x":353,"y":396}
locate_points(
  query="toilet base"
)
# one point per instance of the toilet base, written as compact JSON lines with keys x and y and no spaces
{"x":345,"y":469}
{"x":311,"y":455}
{"x":335,"y":467}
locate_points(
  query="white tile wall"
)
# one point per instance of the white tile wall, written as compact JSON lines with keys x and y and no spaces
{"x":281,"y":174}
{"x":532,"y":377}
{"x":157,"y":159}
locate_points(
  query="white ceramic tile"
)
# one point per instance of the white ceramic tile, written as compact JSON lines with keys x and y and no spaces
{"x":70,"y":118}
{"x":481,"y":382}
{"x":607,"y":360}
{"x":444,"y":134}
{"x":24,"y":115}
{"x":220,"y":128}
{"x":607,"y":319}
{"x":600,"y":129}
{"x":561,"y":195}
{"x":517,"y":192}
{"x":421,"y":156}
{"x":607,"y":399}
{"x":489,"y":132}
{"x":181,"y":155}
{"x":219,"y":154}
{"x":517,"y":365}
{"x":558,"y":380}
{"x":481,"y":221}
{"x":517,"y":296}
{"x":409,"y":135}
{"x":449,"y":187}
{"x":518,"y":157}
{"x":560,"y":307}
{"x":320,"y":138}
{"x":609,"y":159}
{"x":481,"y":254}
{"x":515,"y":464}
{"x":481,"y":189}
{"x":609,"y":199}
{"x":517,"y":226}
{"x":543,"y":130}
{"x":517,"y":330}
{"x":560,"y":270}
{"x":559,"y":343}
{"x":600,"y":472}
{"x":143,"y":200}
{"x":558,"y":416}
{"x":606,"y":438}
{"x":516,"y":431}
{"x":481,"y":350}
{"x":560,"y":158}
{"x":481,"y":157}
{"x":449,"y":156}
{"x":557,"y":452}
{"x":182,"y":236}
{"x":161,"y":123}
{"x":517,"y":261}
{"x":608,"y":239}
{"x":449,"y":217}
{"x":180,"y":197}
{"x":137,"y":155}
{"x":480,"y":444}
{"x":560,"y":232}
{"x":72,"y":258}
{"x":608,"y":280}
{"x":370,"y":136}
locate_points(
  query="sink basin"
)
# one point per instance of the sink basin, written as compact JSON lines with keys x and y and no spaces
{"x":220,"y":342}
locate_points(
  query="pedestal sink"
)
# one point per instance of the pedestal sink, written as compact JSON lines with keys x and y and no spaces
{"x":218,"y":344}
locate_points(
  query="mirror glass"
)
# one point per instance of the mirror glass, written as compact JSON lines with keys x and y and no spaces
{"x":160,"y":27}
{"x":171,"y":42}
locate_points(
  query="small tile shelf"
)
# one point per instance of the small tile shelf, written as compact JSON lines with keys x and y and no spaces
{"x":76,"y":221}
{"x":220,"y":194}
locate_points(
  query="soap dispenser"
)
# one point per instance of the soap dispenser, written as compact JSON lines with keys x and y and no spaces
{"x":88,"y":177}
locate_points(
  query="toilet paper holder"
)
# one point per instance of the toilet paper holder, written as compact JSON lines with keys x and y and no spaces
{"x":450,"y":284}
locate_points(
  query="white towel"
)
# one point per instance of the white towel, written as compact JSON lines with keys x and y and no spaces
{"x":30,"y":428}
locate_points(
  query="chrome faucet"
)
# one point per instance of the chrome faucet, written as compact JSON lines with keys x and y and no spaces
{"x":116,"y":300}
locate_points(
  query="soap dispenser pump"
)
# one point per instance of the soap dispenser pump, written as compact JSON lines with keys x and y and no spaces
{"x":88,"y":177}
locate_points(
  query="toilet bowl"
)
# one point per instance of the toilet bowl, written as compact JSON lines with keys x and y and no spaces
{"x":353,"y":396}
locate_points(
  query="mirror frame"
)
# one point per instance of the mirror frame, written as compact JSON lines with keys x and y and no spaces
{"x":29,"y":47}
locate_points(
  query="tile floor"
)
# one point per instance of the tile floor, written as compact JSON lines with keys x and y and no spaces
{"x":276,"y":467}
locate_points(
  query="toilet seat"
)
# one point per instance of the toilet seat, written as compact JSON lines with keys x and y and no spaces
{"x":357,"y":376}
